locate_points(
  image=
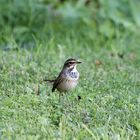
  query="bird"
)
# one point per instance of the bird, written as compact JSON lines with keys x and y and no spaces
{"x":68,"y":77}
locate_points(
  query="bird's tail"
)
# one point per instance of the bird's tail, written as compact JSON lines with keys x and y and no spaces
{"x":47,"y":80}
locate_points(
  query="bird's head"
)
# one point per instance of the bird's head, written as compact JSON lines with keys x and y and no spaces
{"x":71,"y":63}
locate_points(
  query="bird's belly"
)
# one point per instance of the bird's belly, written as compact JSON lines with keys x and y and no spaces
{"x":67,"y":85}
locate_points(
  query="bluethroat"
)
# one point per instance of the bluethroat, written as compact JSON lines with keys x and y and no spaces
{"x":68,"y":77}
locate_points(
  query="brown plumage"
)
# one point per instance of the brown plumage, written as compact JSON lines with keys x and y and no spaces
{"x":68,"y":77}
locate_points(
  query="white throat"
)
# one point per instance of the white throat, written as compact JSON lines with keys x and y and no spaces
{"x":74,"y":69}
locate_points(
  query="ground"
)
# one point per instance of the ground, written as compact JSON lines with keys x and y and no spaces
{"x":109,"y":107}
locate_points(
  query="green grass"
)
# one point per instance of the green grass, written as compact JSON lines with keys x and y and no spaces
{"x":105,"y":39}
{"x":110,"y":104}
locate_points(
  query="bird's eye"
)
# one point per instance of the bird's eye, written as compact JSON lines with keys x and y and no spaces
{"x":70,"y":63}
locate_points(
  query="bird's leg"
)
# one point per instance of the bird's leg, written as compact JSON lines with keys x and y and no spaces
{"x":68,"y":100}
{"x":61,"y":101}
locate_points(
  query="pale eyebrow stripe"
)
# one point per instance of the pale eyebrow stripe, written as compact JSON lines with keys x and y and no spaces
{"x":72,"y":61}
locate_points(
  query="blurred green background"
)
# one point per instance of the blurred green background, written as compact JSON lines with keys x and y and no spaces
{"x":25,"y":20}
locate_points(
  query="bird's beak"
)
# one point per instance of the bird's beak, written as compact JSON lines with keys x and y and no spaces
{"x":78,"y":62}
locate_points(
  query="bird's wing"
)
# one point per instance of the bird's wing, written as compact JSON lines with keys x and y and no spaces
{"x":58,"y":80}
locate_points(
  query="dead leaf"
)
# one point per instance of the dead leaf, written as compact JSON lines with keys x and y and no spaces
{"x":98,"y":62}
